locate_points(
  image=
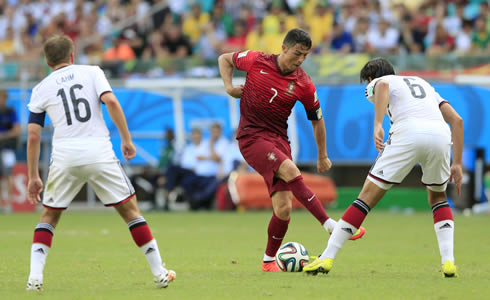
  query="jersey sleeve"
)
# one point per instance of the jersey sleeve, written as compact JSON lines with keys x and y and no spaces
{"x":245,"y":59}
{"x":101,"y":84}
{"x":311,"y":103}
{"x":36,"y":104}
{"x":439,"y":99}
{"x":370,"y":90}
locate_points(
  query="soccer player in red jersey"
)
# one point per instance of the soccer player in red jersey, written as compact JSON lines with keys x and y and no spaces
{"x":273,"y":85}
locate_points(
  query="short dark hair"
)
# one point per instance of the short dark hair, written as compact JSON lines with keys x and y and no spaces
{"x":297,"y":36}
{"x":58,"y":49}
{"x":375,"y":68}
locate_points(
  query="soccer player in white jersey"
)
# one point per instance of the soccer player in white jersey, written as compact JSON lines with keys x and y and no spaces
{"x":82,"y":153}
{"x":419,"y":134}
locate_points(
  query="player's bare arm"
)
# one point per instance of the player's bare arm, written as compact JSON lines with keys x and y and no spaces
{"x":381,"y":100}
{"x":117,"y":115}
{"x":456,"y":122}
{"x":225,"y":63}
{"x":323,"y":162}
{"x":35,"y":184}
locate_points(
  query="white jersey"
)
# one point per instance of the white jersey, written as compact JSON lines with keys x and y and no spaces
{"x":71,"y":98}
{"x":413,"y":102}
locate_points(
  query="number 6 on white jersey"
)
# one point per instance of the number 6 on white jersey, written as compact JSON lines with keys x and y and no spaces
{"x":275,"y":94}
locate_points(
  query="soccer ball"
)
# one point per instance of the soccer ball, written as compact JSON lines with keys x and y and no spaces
{"x":291,"y":257}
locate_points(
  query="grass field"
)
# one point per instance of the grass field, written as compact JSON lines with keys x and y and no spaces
{"x":217,"y":256}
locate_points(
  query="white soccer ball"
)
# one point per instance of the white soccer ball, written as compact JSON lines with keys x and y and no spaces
{"x":292,"y":257}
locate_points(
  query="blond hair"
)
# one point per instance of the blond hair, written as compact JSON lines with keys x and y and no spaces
{"x":58,"y":49}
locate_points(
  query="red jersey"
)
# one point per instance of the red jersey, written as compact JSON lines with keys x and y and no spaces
{"x":269,"y":96}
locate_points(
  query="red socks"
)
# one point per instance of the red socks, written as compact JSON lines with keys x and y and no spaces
{"x":140,"y":231}
{"x":43,"y":234}
{"x":306,"y":197}
{"x":356,"y":213}
{"x":276,"y":232}
{"x":441,"y":211}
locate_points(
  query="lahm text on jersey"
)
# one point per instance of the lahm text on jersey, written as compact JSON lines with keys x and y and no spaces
{"x":65,"y":79}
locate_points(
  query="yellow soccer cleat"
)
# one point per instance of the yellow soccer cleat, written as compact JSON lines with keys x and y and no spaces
{"x":319,"y":266}
{"x":449,"y":269}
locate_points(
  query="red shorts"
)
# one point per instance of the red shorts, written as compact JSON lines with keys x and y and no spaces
{"x":265,"y":151}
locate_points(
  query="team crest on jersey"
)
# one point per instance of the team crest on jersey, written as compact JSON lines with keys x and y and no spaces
{"x":243,"y":54}
{"x":291,"y":87}
{"x":271,"y":156}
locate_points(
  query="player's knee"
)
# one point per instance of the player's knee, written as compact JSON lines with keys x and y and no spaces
{"x":288,"y":170}
{"x":283,"y":211}
{"x":435,"y":197}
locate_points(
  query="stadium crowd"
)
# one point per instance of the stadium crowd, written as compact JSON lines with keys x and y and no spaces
{"x":123,"y":30}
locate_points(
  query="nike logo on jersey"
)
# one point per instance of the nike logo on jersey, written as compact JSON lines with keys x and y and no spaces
{"x":262,"y":72}
{"x":311,"y":198}
{"x":276,"y":238}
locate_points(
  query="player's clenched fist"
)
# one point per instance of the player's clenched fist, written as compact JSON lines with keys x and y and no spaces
{"x":235,"y":91}
{"x":323,"y":164}
{"x":128,"y":150}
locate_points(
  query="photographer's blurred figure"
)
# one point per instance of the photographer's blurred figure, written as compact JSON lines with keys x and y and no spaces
{"x":9,"y":133}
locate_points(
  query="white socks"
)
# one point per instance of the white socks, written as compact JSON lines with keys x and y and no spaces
{"x":268,"y":258}
{"x":342,"y":232}
{"x":329,"y":225}
{"x":152,"y":254}
{"x":39,"y":252}
{"x":445,"y":238}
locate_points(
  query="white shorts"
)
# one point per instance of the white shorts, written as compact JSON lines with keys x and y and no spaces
{"x":108,"y":180}
{"x":403,"y":151}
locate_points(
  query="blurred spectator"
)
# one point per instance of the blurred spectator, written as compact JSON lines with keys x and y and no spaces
{"x":237,"y":41}
{"x":175,"y":43}
{"x":167,"y":155}
{"x":233,"y":159}
{"x":341,"y":41}
{"x":348,"y":17}
{"x":225,"y":19}
{"x":481,"y":37}
{"x":383,"y":38}
{"x":194,"y":23}
{"x":9,"y":134}
{"x":211,"y":42}
{"x":248,"y":16}
{"x":321,"y":24}
{"x":463,"y":39}
{"x":443,"y":43}
{"x":210,"y":153}
{"x":412,"y":36}
{"x":120,"y":51}
{"x":274,"y":40}
{"x":154,"y":49}
{"x":273,"y":19}
{"x":160,"y":15}
{"x":7,"y":45}
{"x":256,"y":38}
{"x":360,"y":36}
{"x":89,"y":43}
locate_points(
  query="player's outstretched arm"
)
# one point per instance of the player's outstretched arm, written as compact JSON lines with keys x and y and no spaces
{"x":35,"y":184}
{"x":319,"y":132}
{"x":117,"y":115}
{"x":457,"y":133}
{"x":381,"y":100}
{"x":225,"y":63}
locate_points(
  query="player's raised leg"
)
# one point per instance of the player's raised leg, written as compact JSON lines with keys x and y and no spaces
{"x":350,"y":222}
{"x":41,"y":243}
{"x":290,"y":173}
{"x":278,"y":226}
{"x":140,"y":231}
{"x":444,"y":228}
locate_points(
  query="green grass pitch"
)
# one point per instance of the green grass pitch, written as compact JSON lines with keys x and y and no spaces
{"x":218,"y":255}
